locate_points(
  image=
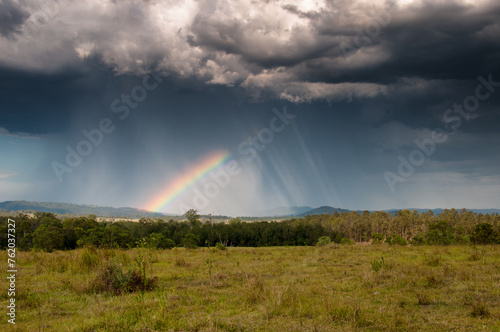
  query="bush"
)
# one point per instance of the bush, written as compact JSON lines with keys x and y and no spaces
{"x":168,"y":244}
{"x":377,"y":238}
{"x":158,"y":241}
{"x":190,"y":241}
{"x":396,"y":239}
{"x":48,"y":238}
{"x":323,"y":241}
{"x":440,"y":233}
{"x":418,"y":239}
{"x":484,"y":234}
{"x":220,"y":246}
{"x":113,"y":279}
{"x":346,"y":241}
{"x":377,"y":265}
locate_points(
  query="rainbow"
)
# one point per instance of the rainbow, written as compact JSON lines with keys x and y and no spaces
{"x":186,"y":180}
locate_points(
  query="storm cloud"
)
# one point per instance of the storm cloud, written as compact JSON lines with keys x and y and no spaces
{"x":297,"y":51}
{"x":365,"y":79}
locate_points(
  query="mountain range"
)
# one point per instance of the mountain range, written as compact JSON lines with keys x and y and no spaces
{"x":102,"y":211}
{"x":76,"y":209}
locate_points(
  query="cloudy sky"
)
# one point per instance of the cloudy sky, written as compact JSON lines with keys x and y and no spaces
{"x":353,"y":104}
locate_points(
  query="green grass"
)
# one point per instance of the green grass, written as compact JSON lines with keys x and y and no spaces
{"x":330,"y":288}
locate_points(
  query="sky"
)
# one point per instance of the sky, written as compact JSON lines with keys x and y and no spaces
{"x":236,"y":107}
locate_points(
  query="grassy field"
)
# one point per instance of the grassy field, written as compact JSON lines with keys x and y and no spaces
{"x":331,"y":288}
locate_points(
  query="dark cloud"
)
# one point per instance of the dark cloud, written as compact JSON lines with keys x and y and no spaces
{"x":278,"y":50}
{"x":12,"y":17}
{"x":361,"y":101}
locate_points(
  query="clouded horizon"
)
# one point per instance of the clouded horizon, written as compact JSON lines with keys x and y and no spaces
{"x":235,"y":107}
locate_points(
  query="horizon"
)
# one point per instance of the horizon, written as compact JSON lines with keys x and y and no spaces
{"x":232,"y":108}
{"x":262,"y":215}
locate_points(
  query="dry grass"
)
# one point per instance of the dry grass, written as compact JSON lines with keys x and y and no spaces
{"x":331,"y":288}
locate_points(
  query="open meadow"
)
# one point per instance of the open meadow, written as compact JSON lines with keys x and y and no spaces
{"x":329,"y":288}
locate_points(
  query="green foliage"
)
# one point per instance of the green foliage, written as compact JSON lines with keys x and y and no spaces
{"x":418,"y":239}
{"x":323,"y":241}
{"x":158,"y":241}
{"x":347,"y":241}
{"x":440,"y":233}
{"x":484,"y":234}
{"x":220,"y":246}
{"x":396,"y":239}
{"x":193,"y":217}
{"x":44,"y":231}
{"x":377,"y":238}
{"x":168,"y":244}
{"x":114,"y":279}
{"x":89,"y":258}
{"x":235,"y":221}
{"x":48,"y":237}
{"x":190,"y":241}
{"x":377,"y":265}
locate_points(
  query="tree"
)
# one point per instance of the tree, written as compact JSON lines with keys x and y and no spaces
{"x":190,"y":241}
{"x":48,"y":238}
{"x":484,"y":234}
{"x":323,"y":241}
{"x":193,"y":217}
{"x":440,"y":232}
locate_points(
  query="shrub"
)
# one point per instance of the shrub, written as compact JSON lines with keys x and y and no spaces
{"x":418,"y":239}
{"x":377,"y":265}
{"x":484,"y":234}
{"x":158,"y":241}
{"x":190,"y":241}
{"x":168,"y":244}
{"x":377,"y":238}
{"x":220,"y":246}
{"x":323,"y":241}
{"x":48,"y":238}
{"x":346,"y":240}
{"x":396,"y":239}
{"x":440,"y":233}
{"x":113,"y":279}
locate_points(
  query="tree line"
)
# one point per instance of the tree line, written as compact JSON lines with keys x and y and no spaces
{"x":45,"y":231}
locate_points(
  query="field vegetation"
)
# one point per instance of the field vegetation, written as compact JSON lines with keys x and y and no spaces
{"x":324,"y":288}
{"x":347,"y":272}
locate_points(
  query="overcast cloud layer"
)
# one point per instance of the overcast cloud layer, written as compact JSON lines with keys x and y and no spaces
{"x":365,"y":78}
{"x":293,"y":50}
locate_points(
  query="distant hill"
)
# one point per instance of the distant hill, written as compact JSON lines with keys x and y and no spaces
{"x":323,"y":210}
{"x":285,"y":211}
{"x":438,"y":211}
{"x":126,"y":212}
{"x":76,"y":209}
{"x":305,"y":210}
{"x":300,"y":211}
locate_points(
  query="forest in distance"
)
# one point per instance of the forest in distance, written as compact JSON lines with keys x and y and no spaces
{"x":47,"y":232}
